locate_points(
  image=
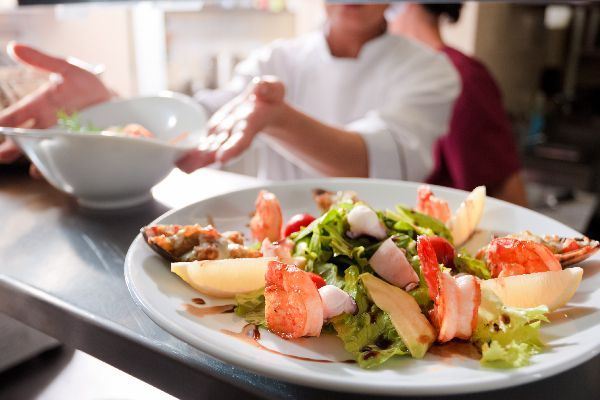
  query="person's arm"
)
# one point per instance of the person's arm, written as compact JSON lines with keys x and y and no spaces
{"x":261,"y":108}
{"x":393,"y":142}
{"x":512,"y":190}
{"x":331,"y":151}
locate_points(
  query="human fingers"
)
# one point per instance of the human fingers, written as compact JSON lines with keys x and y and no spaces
{"x":37,"y":59}
{"x":195,"y":159}
{"x":34,"y":108}
{"x":16,"y":114}
{"x":230,"y":108}
{"x":27,"y":124}
{"x":9,"y":151}
{"x":224,"y":113}
{"x":34,"y":172}
{"x":239,"y":140}
{"x":269,"y":89}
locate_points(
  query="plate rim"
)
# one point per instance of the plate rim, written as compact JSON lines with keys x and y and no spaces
{"x":515,"y":378}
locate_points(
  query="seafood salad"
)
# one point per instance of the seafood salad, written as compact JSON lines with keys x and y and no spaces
{"x":392,"y":282}
{"x":73,"y":123}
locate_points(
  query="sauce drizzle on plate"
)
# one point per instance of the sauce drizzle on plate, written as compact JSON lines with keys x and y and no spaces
{"x":251,"y":335}
{"x":198,"y":300}
{"x":205,"y":311}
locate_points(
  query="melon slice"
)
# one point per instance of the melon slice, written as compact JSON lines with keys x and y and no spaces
{"x":412,"y":326}
{"x":464,"y":221}
{"x":552,"y":288}
{"x":224,"y":278}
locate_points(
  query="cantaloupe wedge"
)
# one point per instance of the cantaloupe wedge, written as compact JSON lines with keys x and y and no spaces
{"x":552,"y":288}
{"x":412,"y":326}
{"x":224,"y":278}
{"x":463,"y":222}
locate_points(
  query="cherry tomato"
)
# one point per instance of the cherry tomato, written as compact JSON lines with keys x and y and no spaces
{"x":317,"y":279}
{"x":296,"y":222}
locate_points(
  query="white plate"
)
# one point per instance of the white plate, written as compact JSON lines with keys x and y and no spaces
{"x":571,"y":340}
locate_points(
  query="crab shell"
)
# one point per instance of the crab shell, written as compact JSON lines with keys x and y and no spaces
{"x":326,"y":198}
{"x":586,"y":249}
{"x":556,"y":244}
{"x":147,"y":233}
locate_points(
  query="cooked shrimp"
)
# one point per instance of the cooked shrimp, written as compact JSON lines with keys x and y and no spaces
{"x":293,"y":306}
{"x":509,"y":256}
{"x":456,"y":300}
{"x":267,"y":220}
{"x":137,"y":130}
{"x":433,"y":206}
{"x":567,"y":251}
{"x":282,"y":250}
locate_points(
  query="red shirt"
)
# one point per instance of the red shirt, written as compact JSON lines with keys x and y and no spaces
{"x":479,"y":147}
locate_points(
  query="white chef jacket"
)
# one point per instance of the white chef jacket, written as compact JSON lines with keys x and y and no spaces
{"x":396,"y":94}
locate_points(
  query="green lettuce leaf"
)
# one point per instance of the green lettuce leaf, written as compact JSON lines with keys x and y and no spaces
{"x":325,"y":241}
{"x":251,"y":307}
{"x":369,"y":335}
{"x":329,"y":272}
{"x":73,"y":123}
{"x":421,"y":292}
{"x":507,"y":336}
{"x":353,"y":287}
{"x":413,"y":223}
{"x":472,"y":266}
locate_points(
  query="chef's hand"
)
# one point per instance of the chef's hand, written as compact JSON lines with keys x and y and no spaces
{"x":233,"y":127}
{"x":70,"y":89}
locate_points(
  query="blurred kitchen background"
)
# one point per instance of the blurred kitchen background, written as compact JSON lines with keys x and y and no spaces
{"x":546,"y":59}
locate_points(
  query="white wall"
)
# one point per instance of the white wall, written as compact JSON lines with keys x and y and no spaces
{"x":97,"y":34}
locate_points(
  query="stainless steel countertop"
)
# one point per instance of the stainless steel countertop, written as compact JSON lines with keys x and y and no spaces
{"x":61,"y":272}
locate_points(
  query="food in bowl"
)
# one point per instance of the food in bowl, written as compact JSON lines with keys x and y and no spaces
{"x":73,"y":123}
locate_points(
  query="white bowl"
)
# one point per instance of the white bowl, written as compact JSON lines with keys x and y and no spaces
{"x":103,"y":170}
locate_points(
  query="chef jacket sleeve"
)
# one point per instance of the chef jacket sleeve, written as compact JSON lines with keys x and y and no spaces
{"x":400,"y":135}
{"x":267,"y":60}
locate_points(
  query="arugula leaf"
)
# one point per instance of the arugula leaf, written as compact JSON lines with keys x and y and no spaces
{"x":329,"y":272}
{"x":465,"y":263}
{"x":413,"y":223}
{"x":325,"y":241}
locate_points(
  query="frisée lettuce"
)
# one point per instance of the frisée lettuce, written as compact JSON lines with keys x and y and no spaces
{"x":469,"y":265}
{"x":507,"y":336}
{"x":251,"y":307}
